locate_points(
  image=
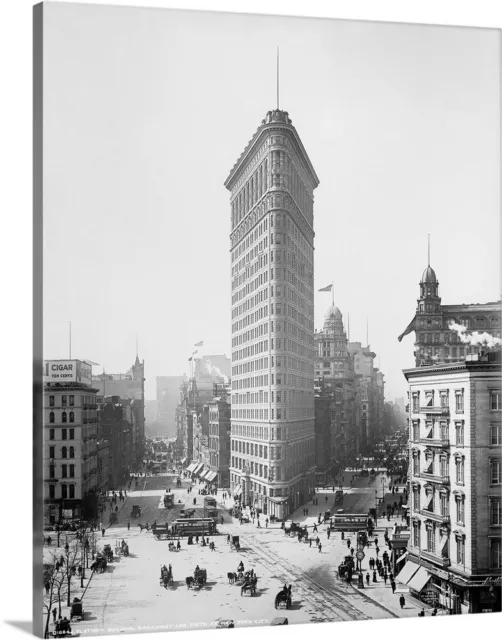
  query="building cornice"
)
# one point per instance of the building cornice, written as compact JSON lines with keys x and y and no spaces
{"x":263,"y":131}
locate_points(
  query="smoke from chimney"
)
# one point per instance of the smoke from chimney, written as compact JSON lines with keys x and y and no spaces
{"x":475,"y":338}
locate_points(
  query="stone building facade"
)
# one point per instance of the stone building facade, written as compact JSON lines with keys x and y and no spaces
{"x":272,"y":272}
{"x":337,"y":425}
{"x":455,"y":483}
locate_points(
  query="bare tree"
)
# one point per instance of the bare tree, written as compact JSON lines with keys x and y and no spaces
{"x":69,"y":562}
{"x":54,"y":586}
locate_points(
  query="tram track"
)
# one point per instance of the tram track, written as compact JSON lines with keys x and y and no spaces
{"x":315,"y":594}
{"x":322,"y":598}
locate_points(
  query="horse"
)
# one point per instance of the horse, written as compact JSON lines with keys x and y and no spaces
{"x":189,"y":582}
{"x":232,"y":577}
{"x":144,"y":526}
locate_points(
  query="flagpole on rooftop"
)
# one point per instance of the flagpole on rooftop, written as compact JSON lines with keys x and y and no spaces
{"x":332,"y":294}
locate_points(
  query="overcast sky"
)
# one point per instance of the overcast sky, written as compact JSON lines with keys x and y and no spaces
{"x":146,"y":111}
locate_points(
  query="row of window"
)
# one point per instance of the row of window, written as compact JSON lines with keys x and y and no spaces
{"x":67,"y":471}
{"x":66,"y":452}
{"x":440,"y":430}
{"x":431,"y":545}
{"x":64,"y":417}
{"x":67,"y":491}
{"x":66,"y":434}
{"x":69,"y":401}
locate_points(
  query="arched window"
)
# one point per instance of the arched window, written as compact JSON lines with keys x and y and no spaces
{"x":64,"y":452}
{"x":51,"y":417}
{"x":480,"y":323}
{"x":72,"y":452}
{"x":494,"y":321}
{"x":72,"y":416}
{"x":63,"y":417}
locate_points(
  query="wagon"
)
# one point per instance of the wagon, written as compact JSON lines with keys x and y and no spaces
{"x":136,"y":511}
{"x":76,"y":610}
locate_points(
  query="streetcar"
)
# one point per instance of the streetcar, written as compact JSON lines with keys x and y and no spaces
{"x":194,"y":527}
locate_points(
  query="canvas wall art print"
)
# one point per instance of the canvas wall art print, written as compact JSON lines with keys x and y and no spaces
{"x":267,"y":356}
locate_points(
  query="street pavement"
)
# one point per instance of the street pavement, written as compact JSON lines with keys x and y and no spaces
{"x":129,"y":597}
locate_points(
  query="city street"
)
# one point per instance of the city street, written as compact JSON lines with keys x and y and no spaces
{"x":128,"y":596}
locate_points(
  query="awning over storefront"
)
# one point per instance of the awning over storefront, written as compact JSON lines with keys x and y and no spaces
{"x":278,"y":500}
{"x":211,"y":475}
{"x":407,"y":572}
{"x":191,"y":466}
{"x":199,"y":469}
{"x":184,"y":460}
{"x":419,"y":580}
{"x":401,"y":558}
{"x":205,"y":474}
{"x":238,"y":491}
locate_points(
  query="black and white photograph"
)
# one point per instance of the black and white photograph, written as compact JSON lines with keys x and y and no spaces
{"x":268,"y":383}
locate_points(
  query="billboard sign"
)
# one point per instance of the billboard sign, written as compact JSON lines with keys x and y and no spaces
{"x":67,"y":371}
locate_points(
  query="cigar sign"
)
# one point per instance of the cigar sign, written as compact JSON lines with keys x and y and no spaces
{"x":67,"y":371}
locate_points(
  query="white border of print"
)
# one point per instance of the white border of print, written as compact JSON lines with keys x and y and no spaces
{"x":15,"y":256}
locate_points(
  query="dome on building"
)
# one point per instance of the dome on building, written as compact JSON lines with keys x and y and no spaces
{"x":429,"y":276}
{"x":333,"y":313}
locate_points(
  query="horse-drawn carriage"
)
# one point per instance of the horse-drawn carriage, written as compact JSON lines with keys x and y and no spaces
{"x":198,"y":580}
{"x":249,"y":585}
{"x":99,"y":565}
{"x":166,"y":576}
{"x":136,"y":511}
{"x":76,"y":610}
{"x":346,"y":569}
{"x":283,"y":600}
{"x":62,"y":628}
{"x":294,"y":529}
{"x":108,"y":552}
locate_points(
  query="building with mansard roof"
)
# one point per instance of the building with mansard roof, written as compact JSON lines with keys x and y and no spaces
{"x":435,"y":340}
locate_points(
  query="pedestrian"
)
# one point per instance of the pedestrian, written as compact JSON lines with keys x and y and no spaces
{"x":54,"y":613}
{"x":128,"y":526}
{"x":49,"y":541}
{"x":320,"y":547}
{"x":374,"y":576}
{"x":393,"y":585}
{"x":329,"y":533}
{"x":351,"y":551}
{"x":422,"y":614}
{"x":310,"y":543}
{"x":348,"y":543}
{"x":178,"y":546}
{"x":103,"y":533}
{"x":343,"y":535}
{"x":47,"y":587}
{"x":367,"y":579}
{"x":317,"y":541}
{"x":377,"y":549}
{"x":325,"y":498}
{"x":315,"y":528}
{"x":266,"y":523}
{"x":385,"y":577}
